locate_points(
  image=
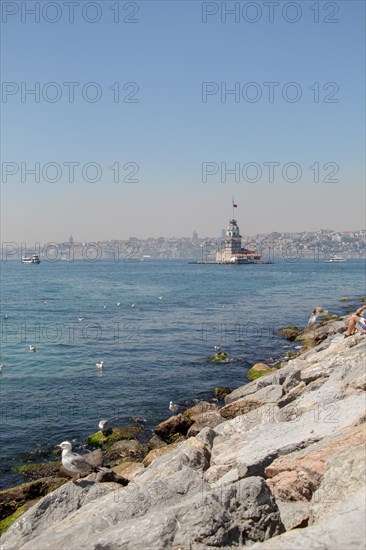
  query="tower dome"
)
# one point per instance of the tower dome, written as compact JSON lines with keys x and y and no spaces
{"x":232,"y":230}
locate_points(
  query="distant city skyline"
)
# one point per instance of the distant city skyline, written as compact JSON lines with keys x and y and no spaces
{"x":319,"y":246}
{"x":168,"y":110}
{"x":194,"y":236}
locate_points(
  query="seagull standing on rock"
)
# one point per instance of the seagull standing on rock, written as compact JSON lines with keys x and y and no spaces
{"x":103,"y":425}
{"x":317,"y":312}
{"x":75,"y":463}
{"x":174,"y":408}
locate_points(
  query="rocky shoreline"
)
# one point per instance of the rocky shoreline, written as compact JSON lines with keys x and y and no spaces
{"x":279,"y":464}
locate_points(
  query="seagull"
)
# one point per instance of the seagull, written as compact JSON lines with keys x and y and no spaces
{"x":118,"y":304}
{"x":217,"y":349}
{"x":104,"y":307}
{"x":32,"y":348}
{"x":6,"y":316}
{"x":160,"y":297}
{"x":1,"y":368}
{"x":174,"y":408}
{"x":133,"y":305}
{"x":103,"y":425}
{"x":99,"y":365}
{"x":317,"y":312}
{"x":74,"y":463}
{"x":45,"y":301}
{"x":81,"y":319}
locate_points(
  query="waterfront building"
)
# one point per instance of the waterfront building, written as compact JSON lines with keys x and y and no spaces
{"x":232,"y":251}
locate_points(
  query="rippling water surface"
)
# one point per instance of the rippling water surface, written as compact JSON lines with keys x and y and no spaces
{"x":154,"y":344}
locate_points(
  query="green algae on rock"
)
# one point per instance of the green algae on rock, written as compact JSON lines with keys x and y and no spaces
{"x":128,"y":449}
{"x":290,"y":333}
{"x":36,"y":471}
{"x":327,"y":318}
{"x":99,"y":439}
{"x":258,"y":370}
{"x":220,"y":392}
{"x":218,"y":357}
{"x":14,"y":497}
{"x":8,"y":521}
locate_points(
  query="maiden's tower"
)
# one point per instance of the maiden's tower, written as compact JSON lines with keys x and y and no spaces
{"x":232,"y":251}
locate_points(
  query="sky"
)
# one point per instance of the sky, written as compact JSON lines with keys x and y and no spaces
{"x":148,"y":117}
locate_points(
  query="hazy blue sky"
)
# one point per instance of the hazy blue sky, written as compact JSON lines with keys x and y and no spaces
{"x":167,"y":123}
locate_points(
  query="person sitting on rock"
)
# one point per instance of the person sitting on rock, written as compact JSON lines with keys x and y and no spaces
{"x":356,"y":322}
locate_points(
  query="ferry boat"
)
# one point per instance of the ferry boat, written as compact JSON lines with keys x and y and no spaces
{"x":31,"y":259}
{"x":335,"y":259}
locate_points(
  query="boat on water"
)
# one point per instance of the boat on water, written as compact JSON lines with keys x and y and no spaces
{"x":335,"y":259}
{"x":31,"y":259}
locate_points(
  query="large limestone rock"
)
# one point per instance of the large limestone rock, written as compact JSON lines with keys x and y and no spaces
{"x":180,"y":511}
{"x":250,"y":449}
{"x":127,"y":449}
{"x":337,"y":509}
{"x":267,"y":394}
{"x":173,"y":425}
{"x":52,"y":509}
{"x":129,"y":470}
{"x":296,"y":476}
{"x":243,"y":391}
{"x":202,"y":407}
{"x":209,"y":419}
{"x":12,"y":498}
{"x":159,"y":451}
{"x":343,"y":531}
{"x":278,"y":377}
{"x":345,"y":475}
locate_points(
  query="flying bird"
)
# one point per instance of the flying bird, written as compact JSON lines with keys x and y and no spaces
{"x":73,"y":462}
{"x":32,"y":348}
{"x":317,"y":312}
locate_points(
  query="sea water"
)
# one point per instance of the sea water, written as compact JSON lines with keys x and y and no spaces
{"x":155,"y":344}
